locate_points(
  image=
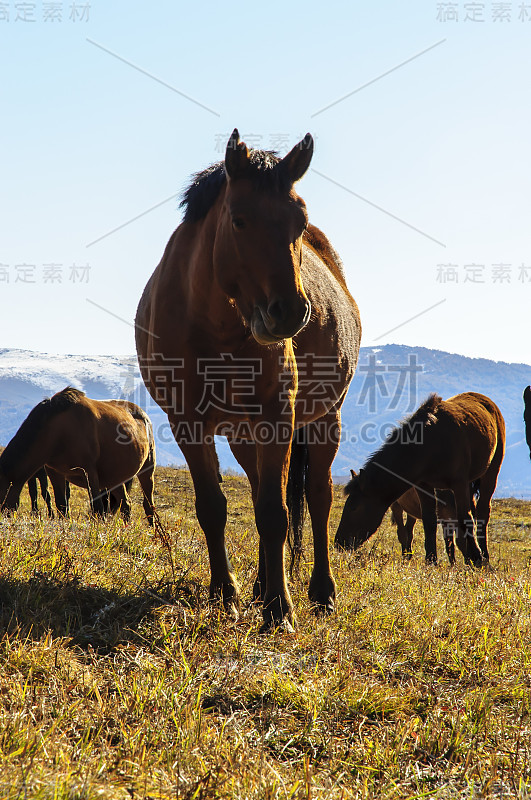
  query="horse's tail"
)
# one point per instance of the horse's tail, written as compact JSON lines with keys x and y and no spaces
{"x":140,"y":414}
{"x":298,"y":468}
{"x":151,"y":438}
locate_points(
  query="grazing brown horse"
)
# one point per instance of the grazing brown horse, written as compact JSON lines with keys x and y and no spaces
{"x":409,"y":503}
{"x":445,"y":444}
{"x":99,"y":445}
{"x":247,"y":329}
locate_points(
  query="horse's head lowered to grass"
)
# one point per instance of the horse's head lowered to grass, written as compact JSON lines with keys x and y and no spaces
{"x":362,"y":514}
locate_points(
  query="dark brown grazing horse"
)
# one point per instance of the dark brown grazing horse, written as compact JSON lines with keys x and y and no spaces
{"x":527,"y":416}
{"x":99,"y":445}
{"x":445,"y":444}
{"x":409,"y":503}
{"x":247,"y":329}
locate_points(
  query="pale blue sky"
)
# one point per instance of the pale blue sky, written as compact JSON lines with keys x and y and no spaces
{"x":441,"y":142}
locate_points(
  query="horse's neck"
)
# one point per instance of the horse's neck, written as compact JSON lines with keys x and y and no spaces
{"x":392,"y":471}
{"x":21,"y":466}
{"x":205,"y":299}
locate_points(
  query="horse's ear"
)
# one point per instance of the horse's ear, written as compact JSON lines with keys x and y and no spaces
{"x":298,"y":160}
{"x":353,"y":474}
{"x":362,"y":481}
{"x":236,"y":156}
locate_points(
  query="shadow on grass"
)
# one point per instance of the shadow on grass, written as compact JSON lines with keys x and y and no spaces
{"x":90,"y":616}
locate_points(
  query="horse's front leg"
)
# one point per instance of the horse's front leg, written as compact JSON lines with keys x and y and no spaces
{"x":119,"y":501}
{"x":271,"y":515}
{"x":245,"y":455}
{"x":211,"y":510}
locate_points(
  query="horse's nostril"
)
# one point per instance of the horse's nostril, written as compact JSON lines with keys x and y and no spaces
{"x":277,"y":310}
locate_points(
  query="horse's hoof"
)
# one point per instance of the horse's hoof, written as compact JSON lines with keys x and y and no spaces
{"x":229,"y":607}
{"x":325,"y":609}
{"x":322,"y":594}
{"x":227,"y":595}
{"x":343,"y":546}
{"x":278,"y":615}
{"x":278,"y":626}
{"x":257,"y":592}
{"x":231,"y":610}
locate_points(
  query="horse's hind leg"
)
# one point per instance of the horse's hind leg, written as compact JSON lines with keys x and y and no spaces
{"x":119,"y":500}
{"x":483,"y":507}
{"x":211,"y":510}
{"x":465,"y":524}
{"x":146,"y":479}
{"x":245,"y":455}
{"x":61,"y":492}
{"x":322,"y":442}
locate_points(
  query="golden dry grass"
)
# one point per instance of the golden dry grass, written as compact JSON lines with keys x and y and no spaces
{"x":118,"y":680}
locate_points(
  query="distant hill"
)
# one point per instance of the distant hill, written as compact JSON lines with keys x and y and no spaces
{"x":390,"y":382}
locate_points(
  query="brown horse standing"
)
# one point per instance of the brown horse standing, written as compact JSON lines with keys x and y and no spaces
{"x":445,"y":444}
{"x":247,"y":329}
{"x":99,"y":445}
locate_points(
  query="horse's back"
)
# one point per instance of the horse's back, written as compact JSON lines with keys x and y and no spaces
{"x":477,"y":407}
{"x":334,"y":328}
{"x":477,"y":426}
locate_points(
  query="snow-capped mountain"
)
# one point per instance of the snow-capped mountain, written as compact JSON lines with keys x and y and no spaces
{"x":390,"y":382}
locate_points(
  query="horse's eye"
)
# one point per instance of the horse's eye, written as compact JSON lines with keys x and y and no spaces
{"x":238,"y":223}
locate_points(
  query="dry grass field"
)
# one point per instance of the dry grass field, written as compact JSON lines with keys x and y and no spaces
{"x":119,"y":680}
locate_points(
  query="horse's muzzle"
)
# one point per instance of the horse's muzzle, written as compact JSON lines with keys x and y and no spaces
{"x":345,"y":540}
{"x":280,"y":321}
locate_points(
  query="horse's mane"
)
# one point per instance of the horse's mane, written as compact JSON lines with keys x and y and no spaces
{"x":425,"y":415}
{"x":319,"y":243}
{"x":206,"y":185}
{"x":37,"y":417}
